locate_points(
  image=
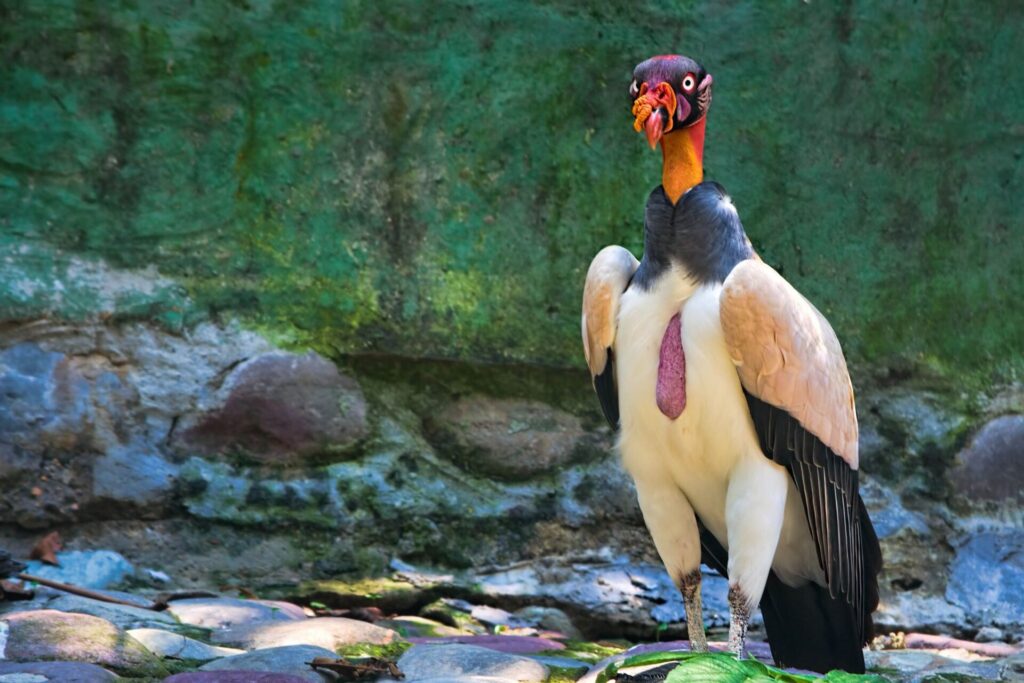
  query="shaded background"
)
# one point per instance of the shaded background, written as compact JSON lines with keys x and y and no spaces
{"x":274,"y":265}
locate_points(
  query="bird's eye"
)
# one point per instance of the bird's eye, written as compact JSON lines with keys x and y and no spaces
{"x":689,"y":83}
{"x":634,"y":89}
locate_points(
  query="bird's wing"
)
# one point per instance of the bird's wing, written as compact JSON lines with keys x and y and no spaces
{"x":607,"y":278}
{"x":801,"y":400}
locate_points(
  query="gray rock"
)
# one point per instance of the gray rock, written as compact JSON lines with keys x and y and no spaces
{"x":905,"y":433}
{"x":434,"y":661}
{"x":907,"y":611}
{"x":989,"y":634}
{"x":573,"y":666}
{"x":1012,"y":668}
{"x":282,"y":408}
{"x":329,"y":632}
{"x":63,"y":406}
{"x":419,"y":627}
{"x":122,"y":616}
{"x":58,"y":672}
{"x":495,"y":616}
{"x":509,"y":438}
{"x":88,"y":568}
{"x":291,"y":659}
{"x":987,"y":578}
{"x":219,"y":613}
{"x":990,"y":468}
{"x":92,"y":408}
{"x":464,"y":679}
{"x":888,"y":515}
{"x":923,"y":665}
{"x":630,"y":599}
{"x":176,"y":646}
{"x":126,"y":475}
{"x":234,"y":677}
{"x":51,"y":635}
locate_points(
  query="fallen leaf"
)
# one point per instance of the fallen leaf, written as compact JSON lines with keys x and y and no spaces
{"x":349,"y":670}
{"x":46,"y":549}
{"x":9,"y":590}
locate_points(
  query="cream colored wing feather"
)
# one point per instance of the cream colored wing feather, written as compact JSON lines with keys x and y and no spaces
{"x":607,"y":278}
{"x":788,"y":355}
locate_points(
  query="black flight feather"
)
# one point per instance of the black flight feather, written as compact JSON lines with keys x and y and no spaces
{"x":608,"y":392}
{"x":846,"y":545}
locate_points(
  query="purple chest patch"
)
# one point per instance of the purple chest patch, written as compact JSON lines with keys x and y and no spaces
{"x":671,"y":388}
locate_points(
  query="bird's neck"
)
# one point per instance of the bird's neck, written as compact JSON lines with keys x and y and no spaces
{"x":682,"y":164}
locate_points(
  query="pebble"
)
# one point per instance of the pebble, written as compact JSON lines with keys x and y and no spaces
{"x":282,"y":639}
{"x":518,"y":645}
{"x":234,"y":677}
{"x":85,"y":568}
{"x":463,"y":679}
{"x":574,"y":665}
{"x":220,"y":613}
{"x":329,"y":632}
{"x":58,"y":672}
{"x":420,"y":627}
{"x":550,"y":618}
{"x":176,"y":646}
{"x":123,"y":616}
{"x":438,"y":661}
{"x":916,"y":665}
{"x":43,"y":634}
{"x":291,"y":659}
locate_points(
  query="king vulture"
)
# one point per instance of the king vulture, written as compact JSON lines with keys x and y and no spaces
{"x":734,"y":404}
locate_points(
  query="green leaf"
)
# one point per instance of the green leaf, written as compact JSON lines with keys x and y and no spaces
{"x":714,"y":668}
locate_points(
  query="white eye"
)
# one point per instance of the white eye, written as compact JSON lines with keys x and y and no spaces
{"x":689,"y":82}
{"x":634,"y":89}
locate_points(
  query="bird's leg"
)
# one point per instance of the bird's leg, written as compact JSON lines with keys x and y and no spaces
{"x":739,"y":617}
{"x":754,"y":510}
{"x":689,"y":586}
{"x":673,"y":527}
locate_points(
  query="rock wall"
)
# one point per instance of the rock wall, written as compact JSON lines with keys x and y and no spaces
{"x":214,"y":455}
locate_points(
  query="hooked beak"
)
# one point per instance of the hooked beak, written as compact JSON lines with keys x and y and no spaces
{"x":654,"y":127}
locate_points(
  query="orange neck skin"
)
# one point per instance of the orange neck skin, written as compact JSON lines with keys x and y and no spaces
{"x":682,"y":154}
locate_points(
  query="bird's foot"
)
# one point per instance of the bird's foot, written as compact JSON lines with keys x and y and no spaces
{"x":739,"y":613}
{"x":689,"y":586}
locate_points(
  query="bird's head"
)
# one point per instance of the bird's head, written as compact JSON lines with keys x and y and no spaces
{"x":669,"y":93}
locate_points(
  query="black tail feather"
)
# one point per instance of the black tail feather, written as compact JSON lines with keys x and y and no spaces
{"x":809,"y":629}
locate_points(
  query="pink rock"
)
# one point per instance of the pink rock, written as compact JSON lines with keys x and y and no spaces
{"x":233,"y":677}
{"x":516,"y":645}
{"x":66,"y":672}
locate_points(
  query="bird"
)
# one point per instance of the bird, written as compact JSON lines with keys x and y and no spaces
{"x":733,"y":403}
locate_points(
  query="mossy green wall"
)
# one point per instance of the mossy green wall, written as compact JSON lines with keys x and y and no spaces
{"x":432,"y":178}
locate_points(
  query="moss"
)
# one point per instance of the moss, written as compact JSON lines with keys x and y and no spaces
{"x":441,"y":611}
{"x":444,"y":199}
{"x":559,"y":674}
{"x":386,"y":593}
{"x":588,"y":651}
{"x":390,"y":652}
